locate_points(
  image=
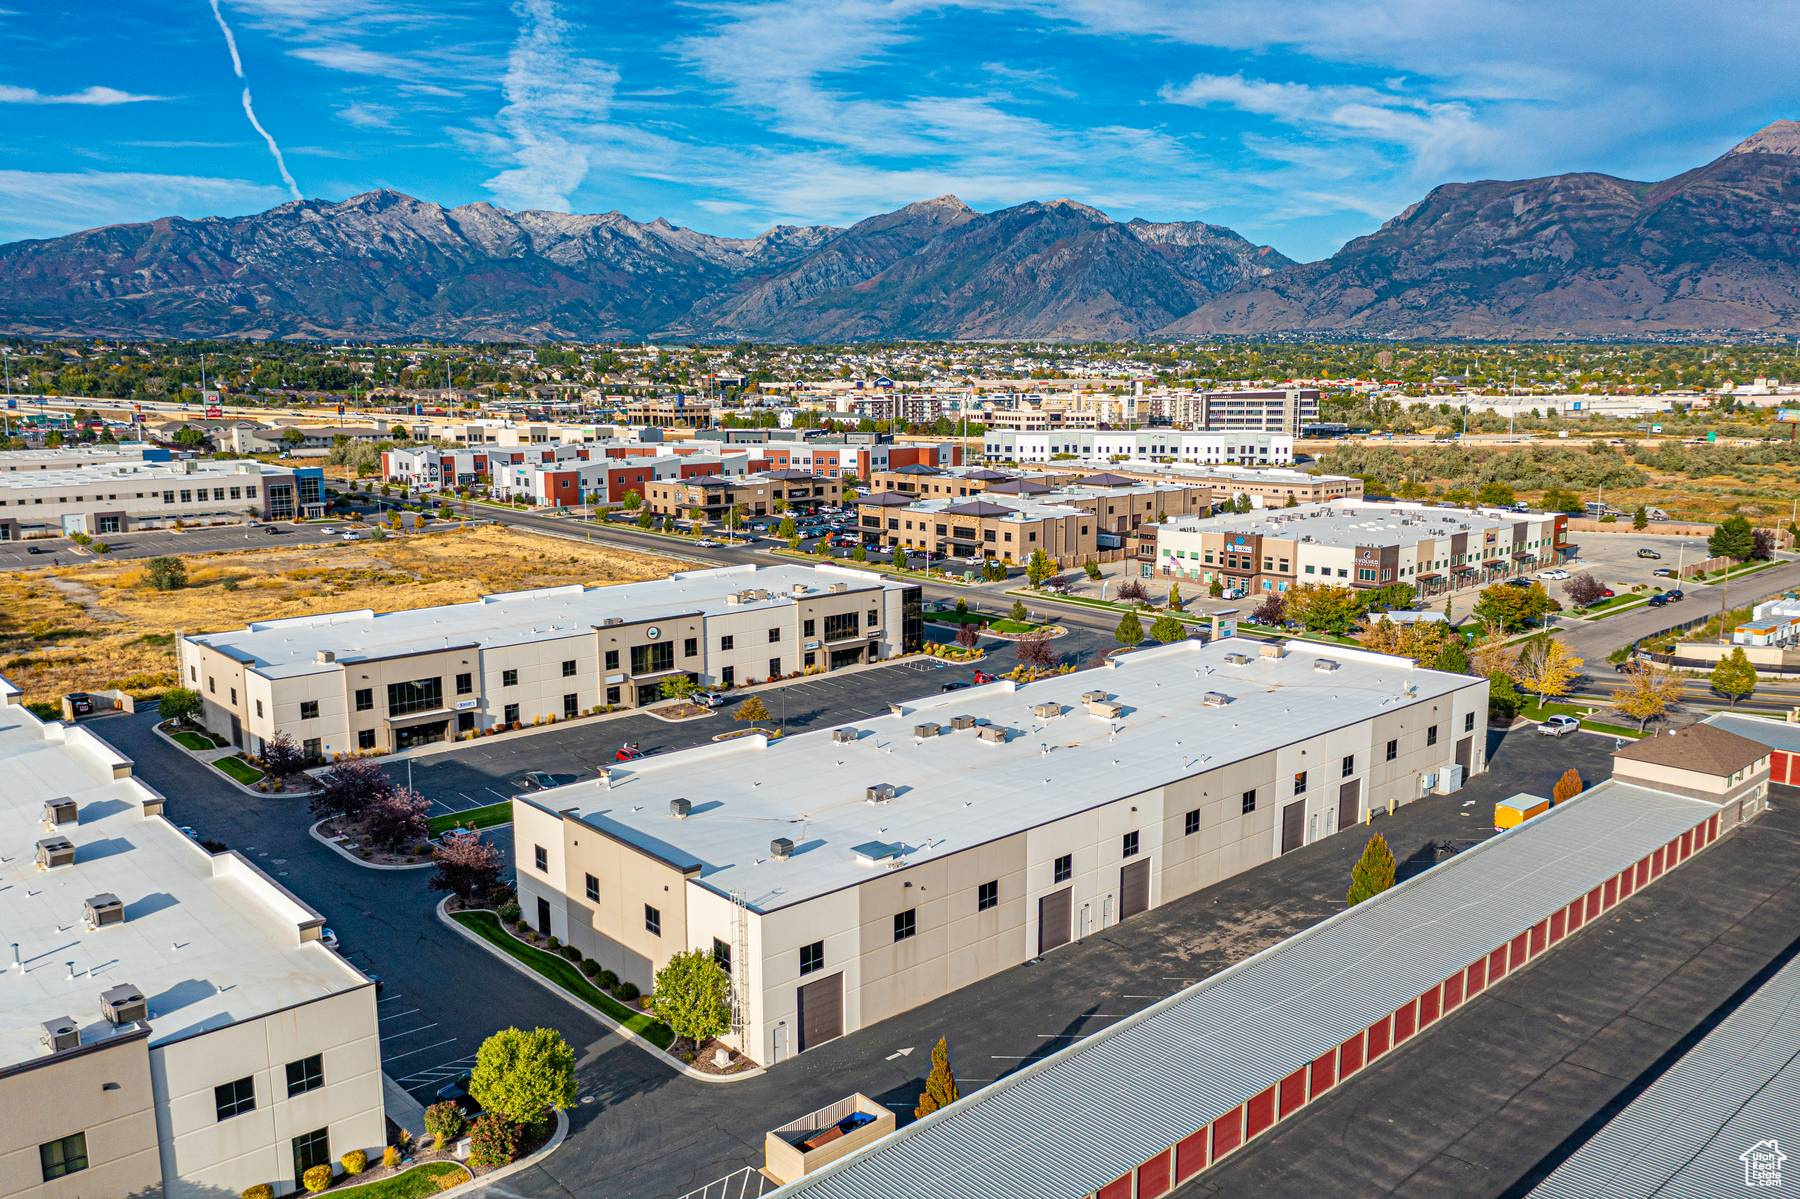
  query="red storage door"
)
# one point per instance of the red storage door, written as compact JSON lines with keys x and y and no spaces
{"x":1153,"y":1177}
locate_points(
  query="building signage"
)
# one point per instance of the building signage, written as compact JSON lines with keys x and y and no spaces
{"x":463,"y":705}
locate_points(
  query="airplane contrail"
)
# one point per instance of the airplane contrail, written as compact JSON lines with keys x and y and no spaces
{"x":237,"y":65}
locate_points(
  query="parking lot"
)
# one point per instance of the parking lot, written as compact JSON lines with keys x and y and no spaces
{"x":1612,"y":558}
{"x":150,"y":543}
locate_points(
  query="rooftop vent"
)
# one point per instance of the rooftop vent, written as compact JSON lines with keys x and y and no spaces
{"x":1092,"y":697}
{"x":679,"y":808}
{"x":611,"y":620}
{"x":874,"y":853}
{"x":124,"y":1004}
{"x":995,"y":733}
{"x":1215,"y":699}
{"x":781,"y":849}
{"x":959,"y":723}
{"x":58,"y":811}
{"x":881,"y":793}
{"x":1236,"y":659}
{"x":1046,"y":710}
{"x":55,"y":851}
{"x":1326,"y":665}
{"x":844,"y":736}
{"x":1271,"y":649}
{"x":838,"y":588}
{"x":1106,"y":709}
{"x":928,"y":729}
{"x":60,"y":1034}
{"x":325,"y":655}
{"x":101,"y":909}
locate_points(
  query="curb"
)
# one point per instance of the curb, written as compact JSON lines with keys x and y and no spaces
{"x":524,"y":1163}
{"x":312,"y":831}
{"x":225,"y":752}
{"x":663,"y":1056}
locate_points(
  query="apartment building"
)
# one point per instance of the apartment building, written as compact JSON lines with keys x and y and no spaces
{"x":1247,"y":448}
{"x":170,"y":1023}
{"x":113,"y":497}
{"x":844,"y":876}
{"x":1362,"y":545}
{"x":346,"y":682}
{"x":1266,"y":410}
{"x":759,"y":494}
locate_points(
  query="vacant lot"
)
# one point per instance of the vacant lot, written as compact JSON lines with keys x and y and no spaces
{"x":100,"y":625}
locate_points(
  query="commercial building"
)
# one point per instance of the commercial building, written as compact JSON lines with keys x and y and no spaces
{"x":170,"y":1023}
{"x":1360,"y":545}
{"x":847,"y":875}
{"x":345,"y":682}
{"x":752,"y":494}
{"x":1773,"y":624}
{"x":1246,"y":448}
{"x":1149,"y":1103}
{"x":1267,"y":488}
{"x":104,"y":498}
{"x":74,"y":457}
{"x":1265,"y":410}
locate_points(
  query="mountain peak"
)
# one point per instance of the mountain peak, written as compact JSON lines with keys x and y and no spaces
{"x":947,"y":202}
{"x":1779,"y":137}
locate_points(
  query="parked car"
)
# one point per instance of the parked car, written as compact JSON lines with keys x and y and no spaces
{"x":709,"y":699}
{"x":1556,"y":726}
{"x":36,"y":549}
{"x":81,"y":705}
{"x":1675,"y":595}
{"x":1647,"y":552}
{"x":328,"y":938}
{"x":457,"y":1091}
{"x":273,"y":530}
{"x":1518,"y":582}
{"x":1556,"y":573}
{"x":628,"y":752}
{"x":1663,"y":572}
{"x":982,"y":676}
{"x":539,"y":780}
{"x":953,"y":685}
{"x":1607,"y":593}
{"x":1659,"y":599}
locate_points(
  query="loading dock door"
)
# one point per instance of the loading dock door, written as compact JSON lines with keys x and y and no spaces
{"x":1349,"y":804}
{"x":821,"y":1011}
{"x":1134,"y":889}
{"x":1465,"y":755}
{"x":1053,"y":920}
{"x":1293,"y":826}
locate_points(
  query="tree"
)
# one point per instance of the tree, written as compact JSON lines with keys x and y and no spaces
{"x":467,"y":867}
{"x":1495,"y":495}
{"x":1214,"y":588}
{"x":1130,"y":630}
{"x":1547,"y":667}
{"x":1038,"y":567}
{"x":940,"y":1084}
{"x":752,"y":711}
{"x":859,"y":554}
{"x":281,"y":757}
{"x":787,"y":529}
{"x":1640,"y":518}
{"x":349,"y":788}
{"x":397,"y":818}
{"x":1452,"y":656}
{"x":632,"y":501}
{"x":1321,"y":607}
{"x":1092,"y":569}
{"x":1504,"y":700}
{"x":679,"y":686}
{"x":1512,"y":608}
{"x":693,"y":997}
{"x":1132,"y":591}
{"x":166,"y":573}
{"x":1421,"y":641}
{"x":1561,"y":499}
{"x":1567,"y":787}
{"x":179,"y":703}
{"x":1293,"y":501}
{"x":1732,"y":538}
{"x":1018,"y":612}
{"x":1174,"y":597}
{"x":1762,"y":542}
{"x":1034,"y":650}
{"x":1583,"y":590}
{"x":900,"y":559}
{"x":1733,"y":676}
{"x":1648,"y":693}
{"x":968,"y":636}
{"x":293,"y":438}
{"x":645,"y":518}
{"x":1373,"y":872}
{"x":524,"y":1076}
{"x":1167,"y":630}
{"x":1272,"y":611}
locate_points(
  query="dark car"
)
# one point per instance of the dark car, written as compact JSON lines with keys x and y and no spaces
{"x":457,"y":1091}
{"x":1648,"y":553}
{"x":1519,"y":582}
{"x":273,"y":530}
{"x":1659,"y":599}
{"x":1675,"y":595}
{"x":81,"y":705}
{"x":953,"y":685}
{"x":36,"y":549}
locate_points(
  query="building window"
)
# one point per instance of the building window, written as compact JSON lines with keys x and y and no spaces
{"x":774,"y":635}
{"x":309,"y":709}
{"x":1129,"y":847}
{"x":774,"y":668}
{"x":812,"y":957}
{"x":1393,"y":750}
{"x":1190,"y":824}
{"x":510,"y":714}
{"x":65,"y":1155}
{"x":415,"y":695}
{"x":612,"y":695}
{"x":307,"y":1074}
{"x":313,"y":1149}
{"x":612,"y":659}
{"x":1349,"y":765}
{"x":652,"y":659}
{"x":987,"y":895}
{"x":311,"y":749}
{"x":465,"y":683}
{"x":365,"y":739}
{"x":1065,"y":868}
{"x":808,"y":627}
{"x":906,"y":924}
{"x":510,"y":678}
{"x":1468,"y":722}
{"x":234,"y":697}
{"x":571,"y":705}
{"x":568,"y":668}
{"x":727,"y":642}
{"x":1249,"y":801}
{"x":1431,"y":735}
{"x":593,"y":889}
{"x":235,"y":1098}
{"x":365,"y":699}
{"x":690,"y":648}
{"x":259,"y":710}
{"x":722,"y":955}
{"x":540,"y":858}
{"x":1300,"y":782}
{"x":652,"y":921}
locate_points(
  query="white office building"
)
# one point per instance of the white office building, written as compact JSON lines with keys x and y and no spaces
{"x":1099,"y":446}
{"x":114,"y":497}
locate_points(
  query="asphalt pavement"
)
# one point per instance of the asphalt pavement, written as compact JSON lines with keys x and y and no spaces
{"x":150,"y":543}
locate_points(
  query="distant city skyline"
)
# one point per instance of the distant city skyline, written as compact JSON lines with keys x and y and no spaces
{"x":1300,"y":126}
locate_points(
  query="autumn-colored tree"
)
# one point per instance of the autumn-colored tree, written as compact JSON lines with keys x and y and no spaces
{"x":467,"y":867}
{"x":940,"y":1085}
{"x":1567,"y":787}
{"x":1034,"y":650}
{"x":1493,"y":656}
{"x":751,"y":711}
{"x":1548,"y":667}
{"x":1648,"y":693}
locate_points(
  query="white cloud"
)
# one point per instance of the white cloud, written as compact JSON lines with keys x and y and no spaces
{"x":51,"y":203}
{"x":94,"y":96}
{"x":557,"y":102}
{"x":366,"y":115}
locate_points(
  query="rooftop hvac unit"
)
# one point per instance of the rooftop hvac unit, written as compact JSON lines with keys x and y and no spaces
{"x":781,"y":849}
{"x":60,"y":1034}
{"x":1046,"y":710}
{"x":325,"y":655}
{"x":1326,"y":665}
{"x":55,"y":851}
{"x":1106,"y":709}
{"x":1215,"y":699}
{"x":58,"y":811}
{"x":1236,"y":659}
{"x":881,"y":793}
{"x":959,"y":723}
{"x":608,"y":621}
{"x":1092,"y":697}
{"x":124,"y":1004}
{"x":928,"y":729}
{"x":838,"y":588}
{"x":1270,"y":649}
{"x":680,"y":808}
{"x":994,"y":733}
{"x":844,"y":736}
{"x":102,"y":909}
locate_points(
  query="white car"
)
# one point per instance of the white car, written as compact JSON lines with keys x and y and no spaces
{"x":1556,"y":726}
{"x":710,"y":699}
{"x":706,"y":543}
{"x":1558,"y":573}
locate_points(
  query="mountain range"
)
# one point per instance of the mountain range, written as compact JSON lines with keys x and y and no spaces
{"x":1715,"y":249}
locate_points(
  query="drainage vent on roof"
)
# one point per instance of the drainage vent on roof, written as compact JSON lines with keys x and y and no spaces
{"x":102,"y":909}
{"x":928,"y":729}
{"x":1325,"y":665}
{"x":781,"y":849}
{"x":1236,"y":659}
{"x":58,"y":811}
{"x":1046,"y":710}
{"x":55,"y":851}
{"x":881,"y":793}
{"x":124,"y":1004}
{"x":994,"y":733}
{"x":680,"y":809}
{"x":1215,"y":699}
{"x":960,"y":723}
{"x":844,"y":736}
{"x":60,"y":1035}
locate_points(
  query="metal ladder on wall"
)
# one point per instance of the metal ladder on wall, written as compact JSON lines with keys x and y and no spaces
{"x":740,"y":966}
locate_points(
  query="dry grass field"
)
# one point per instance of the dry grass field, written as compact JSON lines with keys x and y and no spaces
{"x":100,"y":625}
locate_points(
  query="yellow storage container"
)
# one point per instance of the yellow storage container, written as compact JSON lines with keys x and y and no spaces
{"x":1510,"y":813}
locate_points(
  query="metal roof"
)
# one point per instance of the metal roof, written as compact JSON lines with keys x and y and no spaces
{"x":1776,"y":734}
{"x":1072,"y":1122}
{"x":1686,"y":1134}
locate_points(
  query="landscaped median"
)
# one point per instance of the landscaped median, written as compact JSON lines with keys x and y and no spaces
{"x":429,"y":1179}
{"x":239,"y":770}
{"x":489,"y":816}
{"x":1540,"y":710}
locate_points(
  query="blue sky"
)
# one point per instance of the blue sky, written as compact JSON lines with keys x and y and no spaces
{"x":1300,"y":124}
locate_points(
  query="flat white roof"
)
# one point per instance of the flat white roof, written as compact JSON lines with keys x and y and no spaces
{"x":207,"y":939}
{"x":141,"y":473}
{"x":127,"y":450}
{"x":288,"y":648}
{"x":1347,"y":524}
{"x":956,"y":790}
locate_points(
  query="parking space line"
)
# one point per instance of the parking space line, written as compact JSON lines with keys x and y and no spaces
{"x":397,"y":1056}
{"x":395,"y":1036}
{"x":409,"y":1011}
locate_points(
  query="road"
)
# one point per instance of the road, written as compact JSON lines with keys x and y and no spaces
{"x":1594,"y":639}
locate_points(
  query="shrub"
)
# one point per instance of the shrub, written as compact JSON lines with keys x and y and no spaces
{"x":590,"y":967}
{"x":390,"y":1157}
{"x":316,"y":1179}
{"x":523,"y":1076}
{"x":552,"y":943}
{"x":355,"y":1162}
{"x":445,"y":1122}
{"x":627,"y":991}
{"x":608,"y":979}
{"x":509,"y":911}
{"x":571,"y":953}
{"x":493,"y":1141}
{"x":261,"y":1190}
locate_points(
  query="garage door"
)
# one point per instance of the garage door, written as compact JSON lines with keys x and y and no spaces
{"x":821,"y":1011}
{"x":1293,"y":825}
{"x":1134,"y":889}
{"x":1349,"y":803}
{"x":1053,"y":920}
{"x":1465,"y":755}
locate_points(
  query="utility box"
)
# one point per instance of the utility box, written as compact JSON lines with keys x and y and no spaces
{"x":1511,"y":813}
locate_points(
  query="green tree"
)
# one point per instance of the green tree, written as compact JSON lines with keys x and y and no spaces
{"x":1018,"y":611}
{"x":1174,"y":597}
{"x":1512,"y":608}
{"x":179,"y":703}
{"x":1561,"y":499}
{"x":1130,"y":630}
{"x":1495,"y":495}
{"x":901,"y":560}
{"x":787,"y":529}
{"x":693,"y":997}
{"x":1453,"y":657}
{"x":293,"y":438}
{"x":1640,"y":518}
{"x":859,"y":554}
{"x":752,"y":711}
{"x":1293,"y":501}
{"x":1504,"y":700}
{"x":645,"y":519}
{"x":1732,"y":538}
{"x":1214,"y":588}
{"x":166,"y":574}
{"x":1038,"y":567}
{"x":1168,"y":630}
{"x":1321,"y":607}
{"x":679,"y":686}
{"x":1092,"y":568}
{"x":1373,"y":872}
{"x":940,"y":1085}
{"x":524,"y":1076}
{"x":1734,"y":677}
{"x":632,"y":501}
